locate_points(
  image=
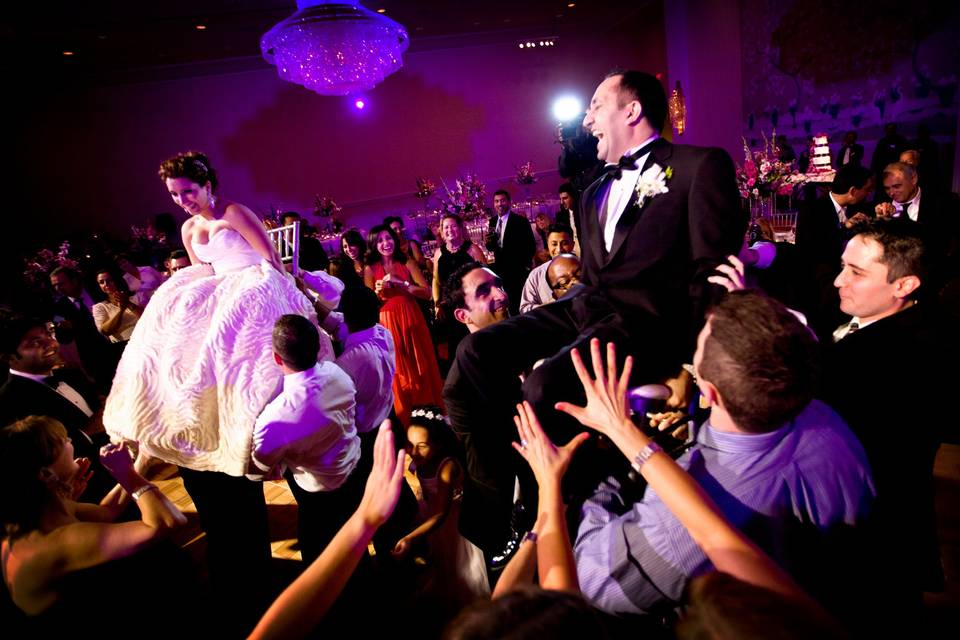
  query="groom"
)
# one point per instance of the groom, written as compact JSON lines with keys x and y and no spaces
{"x":653,"y":229}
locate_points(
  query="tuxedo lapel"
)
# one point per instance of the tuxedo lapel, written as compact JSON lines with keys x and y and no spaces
{"x":660,"y":153}
{"x":592,"y":238}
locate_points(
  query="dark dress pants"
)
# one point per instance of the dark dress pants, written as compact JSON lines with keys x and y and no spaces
{"x":483,"y":389}
{"x":233,"y":514}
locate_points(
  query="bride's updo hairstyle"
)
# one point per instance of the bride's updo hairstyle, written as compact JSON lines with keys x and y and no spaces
{"x":192,"y":165}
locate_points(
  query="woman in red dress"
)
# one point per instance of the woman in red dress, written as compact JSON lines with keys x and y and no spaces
{"x":397,"y":279}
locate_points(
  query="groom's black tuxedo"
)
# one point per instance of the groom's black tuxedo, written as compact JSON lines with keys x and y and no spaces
{"x":648,"y":294}
{"x":655,"y":273}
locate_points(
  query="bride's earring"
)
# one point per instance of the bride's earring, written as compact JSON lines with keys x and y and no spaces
{"x":212,"y":199}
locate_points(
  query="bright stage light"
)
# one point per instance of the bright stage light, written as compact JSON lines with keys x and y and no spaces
{"x":567,"y":108}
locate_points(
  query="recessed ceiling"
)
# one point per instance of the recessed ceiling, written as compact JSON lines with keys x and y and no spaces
{"x":116,"y":41}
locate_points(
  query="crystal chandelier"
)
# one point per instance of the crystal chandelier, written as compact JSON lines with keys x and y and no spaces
{"x":335,"y":48}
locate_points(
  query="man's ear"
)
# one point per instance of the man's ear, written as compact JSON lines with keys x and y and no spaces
{"x":634,"y":112}
{"x":906,"y":285}
{"x":710,"y":393}
{"x":277,"y":358}
{"x":461,"y":315}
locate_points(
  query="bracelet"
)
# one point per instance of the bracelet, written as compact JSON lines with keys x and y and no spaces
{"x":142,"y":490}
{"x":644,"y":455}
{"x":530,"y":536}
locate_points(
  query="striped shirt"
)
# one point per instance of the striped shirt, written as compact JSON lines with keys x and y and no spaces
{"x":811,"y":471}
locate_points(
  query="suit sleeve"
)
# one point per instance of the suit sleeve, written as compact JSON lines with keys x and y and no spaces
{"x":717,"y":227}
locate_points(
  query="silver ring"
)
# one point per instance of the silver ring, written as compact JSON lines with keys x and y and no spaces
{"x":523,"y":444}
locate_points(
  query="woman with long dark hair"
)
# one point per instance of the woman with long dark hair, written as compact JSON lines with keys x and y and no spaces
{"x":397,"y":281}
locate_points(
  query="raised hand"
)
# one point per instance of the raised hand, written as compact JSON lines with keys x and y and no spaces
{"x":607,"y":409}
{"x":383,"y":485}
{"x":731,"y":275}
{"x":547,"y":461}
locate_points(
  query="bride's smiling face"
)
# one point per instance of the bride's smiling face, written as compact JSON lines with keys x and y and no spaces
{"x":190,"y":196}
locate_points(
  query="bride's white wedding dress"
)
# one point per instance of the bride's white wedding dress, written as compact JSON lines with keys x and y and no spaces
{"x":199,"y":366}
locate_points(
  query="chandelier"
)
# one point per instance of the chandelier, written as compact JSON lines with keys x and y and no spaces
{"x":335,"y":48}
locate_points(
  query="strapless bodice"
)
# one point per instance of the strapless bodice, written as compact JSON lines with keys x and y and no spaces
{"x":226,"y":250}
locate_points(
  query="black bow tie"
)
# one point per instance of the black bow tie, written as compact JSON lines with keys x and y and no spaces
{"x":53,"y":380}
{"x":628,"y":162}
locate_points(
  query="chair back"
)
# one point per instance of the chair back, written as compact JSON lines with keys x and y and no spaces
{"x":287,"y":242}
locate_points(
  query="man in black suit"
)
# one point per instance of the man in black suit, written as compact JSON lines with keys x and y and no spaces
{"x":823,"y":228}
{"x":567,"y":215}
{"x":34,"y":387}
{"x":937,"y":213}
{"x":650,"y":239}
{"x":71,"y":311}
{"x":879,"y":375}
{"x":850,"y":152}
{"x":511,"y":240}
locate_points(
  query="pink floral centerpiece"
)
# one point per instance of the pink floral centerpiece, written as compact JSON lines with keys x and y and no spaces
{"x":467,"y":199}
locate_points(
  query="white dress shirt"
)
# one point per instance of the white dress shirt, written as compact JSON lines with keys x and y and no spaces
{"x":309,"y":428}
{"x":144,"y":286}
{"x":910,"y":207}
{"x":369,"y":358}
{"x":841,"y":210}
{"x":619,"y":194}
{"x":502,"y":225}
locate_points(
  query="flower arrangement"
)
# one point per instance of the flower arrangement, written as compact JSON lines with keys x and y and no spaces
{"x":39,"y":266}
{"x":147,"y":241}
{"x":467,"y":198}
{"x":764,"y":174}
{"x":425,"y":188}
{"x":525,"y":174}
{"x":325,"y":207}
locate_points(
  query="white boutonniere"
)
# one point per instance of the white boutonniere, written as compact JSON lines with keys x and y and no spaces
{"x":652,"y":182}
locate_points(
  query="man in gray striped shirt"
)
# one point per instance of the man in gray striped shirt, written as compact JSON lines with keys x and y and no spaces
{"x":782,"y":467}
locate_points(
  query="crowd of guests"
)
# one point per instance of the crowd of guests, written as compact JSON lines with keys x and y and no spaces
{"x":784,"y":487}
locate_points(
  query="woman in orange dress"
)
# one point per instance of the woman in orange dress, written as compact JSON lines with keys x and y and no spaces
{"x":397,"y":279}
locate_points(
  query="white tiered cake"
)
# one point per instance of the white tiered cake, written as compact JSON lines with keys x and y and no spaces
{"x":820,"y":169}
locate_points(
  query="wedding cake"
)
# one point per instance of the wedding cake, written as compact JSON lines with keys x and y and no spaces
{"x":820,"y":169}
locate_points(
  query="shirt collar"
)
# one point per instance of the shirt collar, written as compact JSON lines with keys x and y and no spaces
{"x":836,"y":205}
{"x":300,"y":377}
{"x":729,"y":442}
{"x":31,"y":376}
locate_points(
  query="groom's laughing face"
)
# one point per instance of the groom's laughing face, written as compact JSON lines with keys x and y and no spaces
{"x":607,"y":120}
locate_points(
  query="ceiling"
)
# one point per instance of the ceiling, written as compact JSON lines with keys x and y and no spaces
{"x":111,"y":41}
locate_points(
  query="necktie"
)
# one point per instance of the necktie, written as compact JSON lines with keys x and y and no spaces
{"x":852,"y":327}
{"x":499,"y":231}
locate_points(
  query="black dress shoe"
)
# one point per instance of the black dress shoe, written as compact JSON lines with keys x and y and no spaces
{"x":518,"y":527}
{"x":500,"y":560}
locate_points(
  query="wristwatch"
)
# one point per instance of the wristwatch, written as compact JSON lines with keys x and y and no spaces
{"x":644,"y":455}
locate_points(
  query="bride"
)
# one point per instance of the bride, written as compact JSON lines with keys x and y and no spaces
{"x":199,"y":366}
